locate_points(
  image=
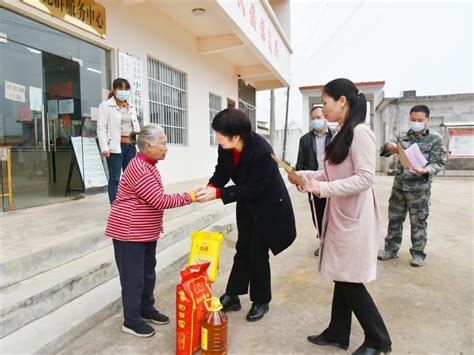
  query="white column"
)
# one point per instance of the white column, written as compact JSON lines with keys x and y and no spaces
{"x":305,"y":120}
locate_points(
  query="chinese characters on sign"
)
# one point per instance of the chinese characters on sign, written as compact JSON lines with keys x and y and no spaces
{"x":253,"y":16}
{"x":14,"y":92}
{"x":242,"y":6}
{"x":89,"y":161}
{"x":262,"y":29}
{"x":265,"y":30}
{"x":86,"y":14}
{"x":24,"y":114}
{"x":60,"y":89}
{"x":130,"y":68}
{"x":461,"y":143}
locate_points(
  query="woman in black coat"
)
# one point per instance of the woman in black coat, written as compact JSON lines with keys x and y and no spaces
{"x":265,"y":219}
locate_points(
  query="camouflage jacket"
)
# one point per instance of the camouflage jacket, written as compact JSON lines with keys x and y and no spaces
{"x":432,"y":147}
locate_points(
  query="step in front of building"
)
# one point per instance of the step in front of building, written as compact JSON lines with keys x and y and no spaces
{"x":61,"y":241}
{"x":56,"y":329}
{"x":26,"y":301}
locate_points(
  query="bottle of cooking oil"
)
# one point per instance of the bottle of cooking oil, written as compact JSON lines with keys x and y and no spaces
{"x":214,"y":329}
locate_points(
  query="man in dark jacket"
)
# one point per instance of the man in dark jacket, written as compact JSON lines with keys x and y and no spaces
{"x":311,"y":157}
{"x":265,"y":219}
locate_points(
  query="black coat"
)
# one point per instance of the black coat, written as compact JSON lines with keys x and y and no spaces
{"x":259,"y":188}
{"x":307,"y":151}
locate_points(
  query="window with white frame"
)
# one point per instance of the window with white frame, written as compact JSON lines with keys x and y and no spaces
{"x":167,"y":97}
{"x":215,"y":106}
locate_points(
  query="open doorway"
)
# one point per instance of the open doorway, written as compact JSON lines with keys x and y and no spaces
{"x":63,"y":112}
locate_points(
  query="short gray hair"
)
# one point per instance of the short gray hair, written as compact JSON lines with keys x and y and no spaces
{"x":148,"y":134}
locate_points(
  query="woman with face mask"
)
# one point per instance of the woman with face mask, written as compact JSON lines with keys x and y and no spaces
{"x":116,"y":120}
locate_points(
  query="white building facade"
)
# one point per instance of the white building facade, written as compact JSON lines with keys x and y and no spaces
{"x":186,"y":60}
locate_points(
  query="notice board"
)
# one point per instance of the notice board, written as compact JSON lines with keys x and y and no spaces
{"x":89,"y":161}
{"x":461,"y":143}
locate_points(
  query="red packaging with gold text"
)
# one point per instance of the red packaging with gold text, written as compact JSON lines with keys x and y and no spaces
{"x":195,"y":287}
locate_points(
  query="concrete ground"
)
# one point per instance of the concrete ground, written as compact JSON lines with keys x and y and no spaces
{"x":427,"y":310}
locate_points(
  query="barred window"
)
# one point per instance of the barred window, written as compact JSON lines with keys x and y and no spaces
{"x":215,"y":106}
{"x":168,"y":100}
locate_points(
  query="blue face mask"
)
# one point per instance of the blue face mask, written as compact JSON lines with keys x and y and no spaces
{"x":122,"y":95}
{"x":318,"y":124}
{"x":417,"y":126}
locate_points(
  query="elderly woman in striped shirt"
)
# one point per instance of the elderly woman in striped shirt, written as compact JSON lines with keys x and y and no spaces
{"x":135,"y":223}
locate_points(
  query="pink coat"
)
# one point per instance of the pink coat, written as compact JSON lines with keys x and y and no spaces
{"x":350,"y":237}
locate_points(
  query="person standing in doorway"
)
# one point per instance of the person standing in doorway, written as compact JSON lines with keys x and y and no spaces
{"x":350,"y":238}
{"x":116,"y":120}
{"x":411,"y":189}
{"x":311,"y":157}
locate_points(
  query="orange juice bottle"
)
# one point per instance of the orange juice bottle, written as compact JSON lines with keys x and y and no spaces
{"x":214,"y":329}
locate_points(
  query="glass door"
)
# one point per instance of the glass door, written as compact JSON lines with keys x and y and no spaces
{"x":64,"y":117}
{"x":50,"y":85}
{"x":22,"y":123}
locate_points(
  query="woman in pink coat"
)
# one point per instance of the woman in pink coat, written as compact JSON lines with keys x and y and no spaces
{"x":350,"y":236}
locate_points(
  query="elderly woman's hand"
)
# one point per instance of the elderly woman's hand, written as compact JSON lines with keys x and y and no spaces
{"x":206,"y":194}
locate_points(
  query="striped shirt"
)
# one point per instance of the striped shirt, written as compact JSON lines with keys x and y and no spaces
{"x":137,"y":212}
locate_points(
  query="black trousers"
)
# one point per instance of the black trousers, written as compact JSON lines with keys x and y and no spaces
{"x":136,"y":263}
{"x":354,"y":297}
{"x":320,"y":205}
{"x":251,"y":261}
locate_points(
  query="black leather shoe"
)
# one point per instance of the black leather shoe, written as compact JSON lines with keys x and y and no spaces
{"x":366,"y":350}
{"x":230,"y":303}
{"x":324,"y":340}
{"x":257,"y":311}
{"x":316,"y":252}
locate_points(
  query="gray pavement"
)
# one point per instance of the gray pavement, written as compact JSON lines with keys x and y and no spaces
{"x":427,"y":310}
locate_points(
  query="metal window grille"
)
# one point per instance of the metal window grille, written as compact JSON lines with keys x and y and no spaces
{"x":168,"y":100}
{"x":215,"y":106}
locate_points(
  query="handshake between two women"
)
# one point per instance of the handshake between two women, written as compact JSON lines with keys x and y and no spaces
{"x":205,"y":193}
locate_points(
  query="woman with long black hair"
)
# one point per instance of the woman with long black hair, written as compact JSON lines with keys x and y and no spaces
{"x":350,"y":239}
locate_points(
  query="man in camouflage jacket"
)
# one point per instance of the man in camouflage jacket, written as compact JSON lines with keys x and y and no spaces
{"x":412,"y":187}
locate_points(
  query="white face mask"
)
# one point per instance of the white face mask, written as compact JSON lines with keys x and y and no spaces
{"x":418,"y":126}
{"x":122,"y":95}
{"x":318,"y":124}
